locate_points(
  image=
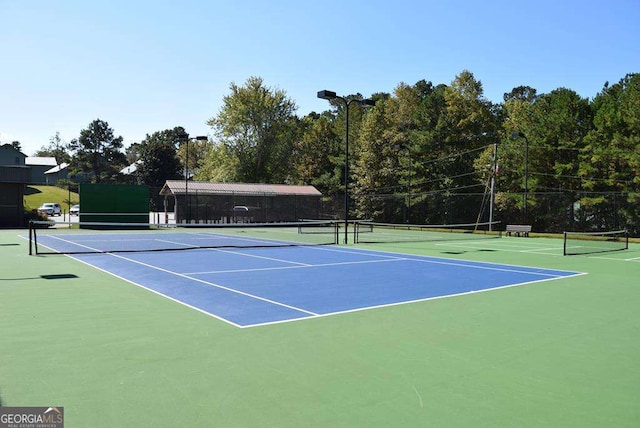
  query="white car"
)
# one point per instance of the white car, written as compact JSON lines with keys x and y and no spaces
{"x":49,"y":208}
{"x":74,"y":210}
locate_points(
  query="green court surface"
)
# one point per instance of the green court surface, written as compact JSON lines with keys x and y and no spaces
{"x":562,"y":353}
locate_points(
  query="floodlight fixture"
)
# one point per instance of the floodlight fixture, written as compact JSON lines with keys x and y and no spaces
{"x":330,"y":95}
{"x":327,"y":95}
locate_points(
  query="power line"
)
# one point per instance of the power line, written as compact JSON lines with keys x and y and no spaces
{"x":574,"y":177}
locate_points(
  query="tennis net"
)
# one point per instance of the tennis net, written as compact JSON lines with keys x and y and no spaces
{"x":576,"y":243}
{"x":96,"y":237}
{"x":374,"y":232}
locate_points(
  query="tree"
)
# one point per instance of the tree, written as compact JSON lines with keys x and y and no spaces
{"x":157,"y":160}
{"x":132,"y":153}
{"x":561,"y":120}
{"x":317,"y":157}
{"x":377,"y":166}
{"x":217,"y":164}
{"x":258,"y":126}
{"x":198,"y":151}
{"x":469,"y":115}
{"x":522,"y":93}
{"x":611,"y":160}
{"x":614,"y":141}
{"x":467,"y":128}
{"x":56,"y":148}
{"x":97,"y":153}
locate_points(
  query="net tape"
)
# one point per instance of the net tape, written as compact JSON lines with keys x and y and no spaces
{"x":374,"y":232}
{"x":97,"y":237}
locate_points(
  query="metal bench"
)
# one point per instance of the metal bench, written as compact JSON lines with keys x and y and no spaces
{"x":518,"y":229}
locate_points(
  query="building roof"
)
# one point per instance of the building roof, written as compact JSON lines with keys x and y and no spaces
{"x":41,"y":161}
{"x":177,"y":187}
{"x":57,"y":168}
{"x":10,"y":147}
{"x":128,"y":170}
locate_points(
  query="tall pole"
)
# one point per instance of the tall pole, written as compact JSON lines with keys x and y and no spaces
{"x":346,"y":171}
{"x":330,"y":95}
{"x":187,"y":209}
{"x":526,"y":175}
{"x":494,"y":168}
{"x":526,"y":172}
{"x":187,"y":206}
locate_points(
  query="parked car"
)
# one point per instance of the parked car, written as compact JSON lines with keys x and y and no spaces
{"x":49,"y":208}
{"x":74,"y":210}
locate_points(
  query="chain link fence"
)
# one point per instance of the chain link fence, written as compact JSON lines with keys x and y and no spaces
{"x":547,"y":212}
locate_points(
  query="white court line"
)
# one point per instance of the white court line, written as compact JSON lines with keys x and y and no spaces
{"x":632,"y":259}
{"x":203,"y":282}
{"x":537,"y":251}
{"x":159,"y":293}
{"x":386,"y":305}
{"x":389,"y":256}
{"x":513,"y":270}
{"x":255,"y":256}
{"x":409,"y":256}
{"x":296,"y":267}
{"x":264,"y":299}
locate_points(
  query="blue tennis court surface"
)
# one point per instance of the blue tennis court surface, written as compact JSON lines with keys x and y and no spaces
{"x":257,"y":286}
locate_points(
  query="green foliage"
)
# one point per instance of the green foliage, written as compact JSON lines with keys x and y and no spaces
{"x":424,"y":153}
{"x":612,"y":158}
{"x":258,"y":126}
{"x":97,"y":153}
{"x":57,"y":149}
{"x":217,"y":165}
{"x":318,"y":156}
{"x":157,"y":159}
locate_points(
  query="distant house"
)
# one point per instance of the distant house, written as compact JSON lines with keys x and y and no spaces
{"x":131,"y":169}
{"x":39,"y":166}
{"x":9,"y":155}
{"x":58,"y":172}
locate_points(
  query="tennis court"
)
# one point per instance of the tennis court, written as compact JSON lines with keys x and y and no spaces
{"x":280,"y":280}
{"x":459,"y":332}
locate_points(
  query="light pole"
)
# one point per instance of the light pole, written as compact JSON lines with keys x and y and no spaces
{"x":526,"y":170}
{"x":408,"y":169}
{"x":330,"y":95}
{"x":186,"y":176}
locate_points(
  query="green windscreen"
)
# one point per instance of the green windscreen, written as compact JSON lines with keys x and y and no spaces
{"x":114,"y":203}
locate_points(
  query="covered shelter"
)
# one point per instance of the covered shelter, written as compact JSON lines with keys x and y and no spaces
{"x":14,"y":175}
{"x":12,"y":189}
{"x":204,"y":202}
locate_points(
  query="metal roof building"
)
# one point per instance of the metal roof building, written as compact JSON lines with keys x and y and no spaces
{"x":204,"y":202}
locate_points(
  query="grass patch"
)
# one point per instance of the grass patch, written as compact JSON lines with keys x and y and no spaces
{"x":38,"y":195}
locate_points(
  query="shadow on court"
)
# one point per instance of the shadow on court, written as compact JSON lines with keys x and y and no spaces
{"x":53,"y":276}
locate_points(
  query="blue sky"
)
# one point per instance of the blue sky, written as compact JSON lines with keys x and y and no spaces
{"x":144,"y":66}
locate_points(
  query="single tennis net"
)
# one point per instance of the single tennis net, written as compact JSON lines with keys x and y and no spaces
{"x":576,"y":243}
{"x":96,"y":237}
{"x":374,"y":232}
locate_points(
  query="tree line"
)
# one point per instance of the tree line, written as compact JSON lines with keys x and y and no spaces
{"x":425,"y":153}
